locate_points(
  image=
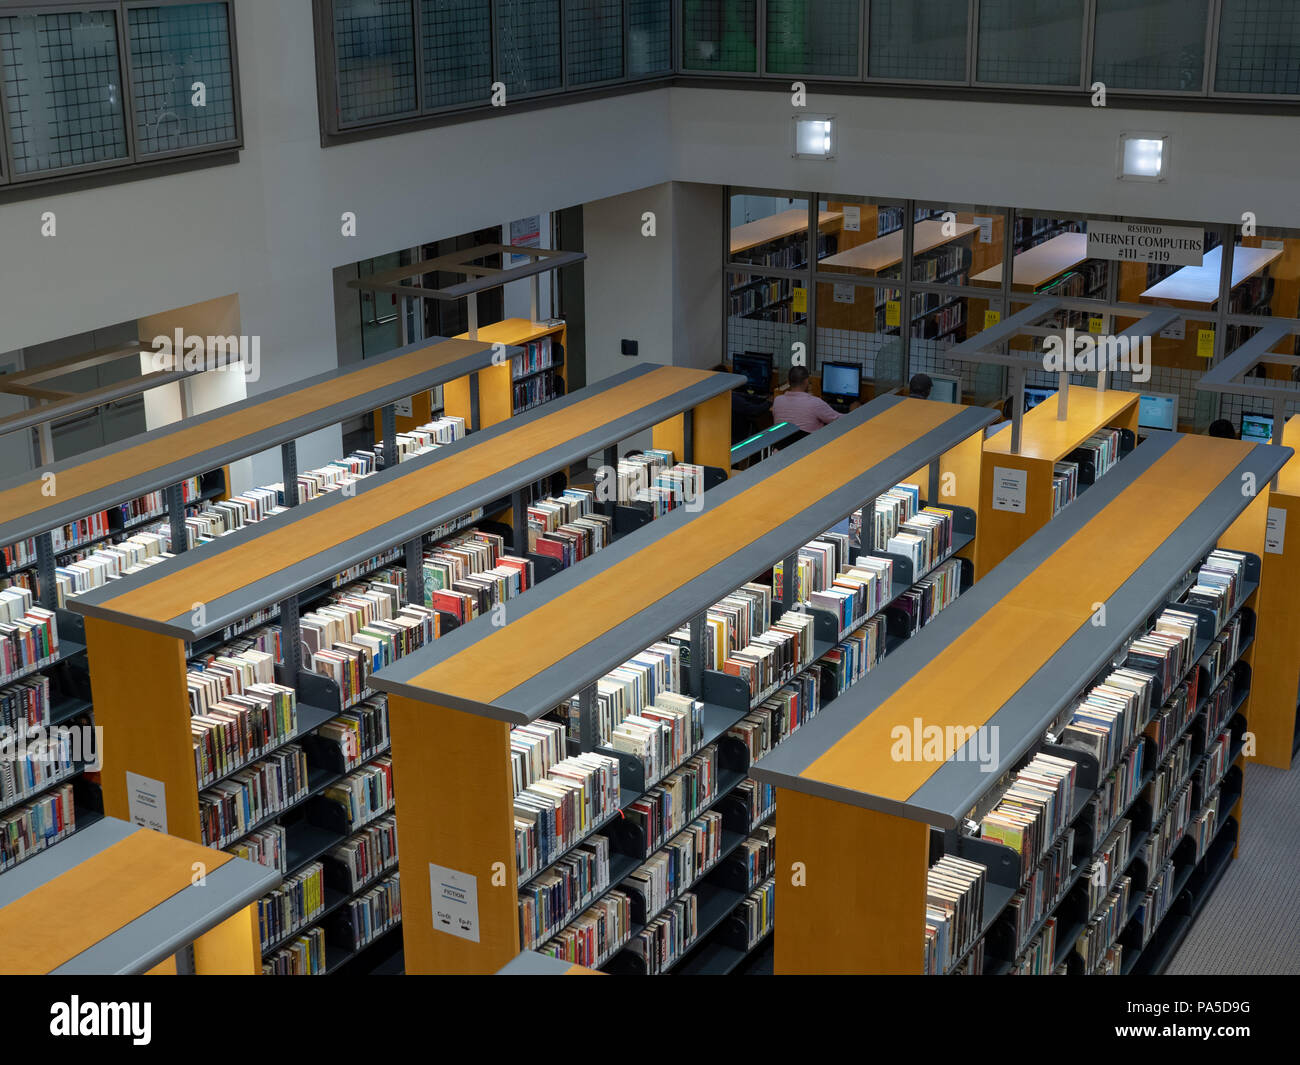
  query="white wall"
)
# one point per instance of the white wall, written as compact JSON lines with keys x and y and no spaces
{"x":1016,"y":155}
{"x":268,"y":228}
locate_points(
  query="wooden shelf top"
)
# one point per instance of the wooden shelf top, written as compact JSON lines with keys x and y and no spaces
{"x":124,"y":900}
{"x":589,"y":618}
{"x":1199,"y":285}
{"x":778,"y":227}
{"x":1039,"y":264}
{"x":1288,"y":481}
{"x":1013,"y":652}
{"x":514,"y":331}
{"x":262,"y":564}
{"x":107,"y":476}
{"x":1043,"y":436}
{"x":887,"y":251}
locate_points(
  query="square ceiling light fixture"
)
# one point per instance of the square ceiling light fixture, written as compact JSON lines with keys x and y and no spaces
{"x":1143,"y":156}
{"x":814,"y":136}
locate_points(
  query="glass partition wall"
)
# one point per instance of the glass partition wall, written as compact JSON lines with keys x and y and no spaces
{"x":893,"y":285}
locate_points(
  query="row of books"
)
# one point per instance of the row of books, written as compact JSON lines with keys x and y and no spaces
{"x":631,"y":687}
{"x":677,"y":865}
{"x":666,"y":809}
{"x":25,"y":705}
{"x":242,"y":727}
{"x":305,"y":956}
{"x":363,"y":856}
{"x":755,"y":914}
{"x":1220,"y":580}
{"x":1116,"y":792}
{"x":291,"y":906}
{"x":666,"y":939}
{"x":1096,"y":946}
{"x":560,"y":893}
{"x":536,"y":355}
{"x":1038,"y":958}
{"x":1065,"y":484}
{"x":1211,"y":767}
{"x":534,"y":391}
{"x":756,"y":856}
{"x":109,"y":563}
{"x":1110,"y":717}
{"x":1172,"y":718}
{"x":469,"y":575}
{"x":370,"y":915}
{"x":1034,"y":810}
{"x":817,"y":563}
{"x":28,"y":634}
{"x":890,"y":511}
{"x":555,"y":812}
{"x":778,"y":716}
{"x":1166,"y":651}
{"x":363,"y":795}
{"x":954,"y":910}
{"x":35,"y":826}
{"x":923,"y":601}
{"x":774,"y":656}
{"x":236,"y":805}
{"x":857,"y":592}
{"x":1107,"y":862}
{"x":660,"y":735}
{"x":595,"y":935}
{"x":267,"y":846}
{"x":356,"y":735}
{"x":854,"y":656}
{"x":567,"y":528}
{"x":430,"y":436}
{"x":924,"y":539}
{"x":1044,"y":889}
{"x":49,"y":759}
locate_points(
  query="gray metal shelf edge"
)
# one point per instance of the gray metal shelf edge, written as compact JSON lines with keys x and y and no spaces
{"x":533,"y":963}
{"x":535,"y":696}
{"x":224,"y":610}
{"x":175,"y":923}
{"x":956,"y":785}
{"x":62,"y":510}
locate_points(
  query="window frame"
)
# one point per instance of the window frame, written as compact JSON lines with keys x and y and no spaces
{"x":134,"y":158}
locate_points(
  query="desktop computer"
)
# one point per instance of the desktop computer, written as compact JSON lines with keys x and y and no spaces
{"x":756,"y":366}
{"x":1256,"y":428}
{"x":1158,"y":410}
{"x":1035,"y":396}
{"x":841,"y":384}
{"x":945,"y":389}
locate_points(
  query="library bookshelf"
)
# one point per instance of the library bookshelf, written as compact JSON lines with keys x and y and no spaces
{"x":1008,"y":517}
{"x":1014,"y":654}
{"x":1276,"y":720}
{"x":186,"y":464}
{"x":127,"y":903}
{"x":156,"y":623}
{"x":452,"y":705}
{"x":493,"y":392}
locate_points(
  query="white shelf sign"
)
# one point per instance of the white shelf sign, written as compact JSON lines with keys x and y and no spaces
{"x":1144,"y":242}
{"x":852,"y":218}
{"x":1275,"y":534}
{"x":146,"y":802}
{"x":1010,"y":487}
{"x":455,"y":902}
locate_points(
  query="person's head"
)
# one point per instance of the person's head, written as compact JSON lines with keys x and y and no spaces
{"x":1224,"y":428}
{"x":919,"y":386}
{"x":799,"y":378}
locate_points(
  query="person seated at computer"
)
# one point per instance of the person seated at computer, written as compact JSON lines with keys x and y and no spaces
{"x":919,"y":386}
{"x":749,"y":410}
{"x":1223,"y":428}
{"x":800,"y":407}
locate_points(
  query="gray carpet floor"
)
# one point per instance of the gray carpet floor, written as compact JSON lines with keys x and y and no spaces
{"x":1249,"y":924}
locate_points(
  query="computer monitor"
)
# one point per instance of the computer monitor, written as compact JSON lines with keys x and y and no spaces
{"x":945,"y":389}
{"x":1257,"y":428}
{"x":1035,"y":396}
{"x":757,"y":367}
{"x":1158,"y":410}
{"x":842,"y":379}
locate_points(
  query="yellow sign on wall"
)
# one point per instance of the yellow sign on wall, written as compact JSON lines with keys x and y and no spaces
{"x":800,"y":300}
{"x":1205,"y":343}
{"x":893,"y":312}
{"x":991,"y":318}
{"x":1094,"y":325}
